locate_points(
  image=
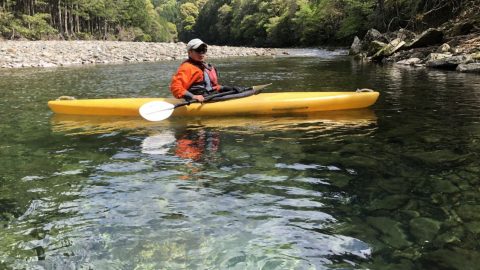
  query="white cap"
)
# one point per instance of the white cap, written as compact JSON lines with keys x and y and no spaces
{"x":194,"y":44}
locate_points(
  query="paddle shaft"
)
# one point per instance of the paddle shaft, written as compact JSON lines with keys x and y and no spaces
{"x":207,"y":98}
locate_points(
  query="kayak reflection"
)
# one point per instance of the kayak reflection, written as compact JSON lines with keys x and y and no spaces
{"x":197,"y":143}
{"x":78,"y":124}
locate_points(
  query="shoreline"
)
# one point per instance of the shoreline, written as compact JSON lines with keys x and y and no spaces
{"x":434,"y":48}
{"x":24,"y":54}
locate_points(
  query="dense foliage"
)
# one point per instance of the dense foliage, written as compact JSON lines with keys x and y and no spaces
{"x":239,"y":22}
{"x":84,"y":19}
{"x":313,"y":22}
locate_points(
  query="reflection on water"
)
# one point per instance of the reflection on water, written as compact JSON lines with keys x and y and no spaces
{"x":210,"y":197}
{"x":79,"y":124}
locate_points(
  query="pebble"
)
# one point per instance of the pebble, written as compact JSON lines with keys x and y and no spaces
{"x":18,"y":54}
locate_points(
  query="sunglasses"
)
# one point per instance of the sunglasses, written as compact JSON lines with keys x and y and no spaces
{"x":201,"y":50}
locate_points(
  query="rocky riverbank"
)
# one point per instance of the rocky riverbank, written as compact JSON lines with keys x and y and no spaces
{"x":457,"y":48}
{"x":18,"y":54}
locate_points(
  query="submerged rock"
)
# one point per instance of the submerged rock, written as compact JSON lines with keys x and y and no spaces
{"x":391,"y":231}
{"x":444,"y":186}
{"x":391,"y":202}
{"x":452,"y":258}
{"x":438,"y":157}
{"x":424,"y":229}
{"x":469,"y":212}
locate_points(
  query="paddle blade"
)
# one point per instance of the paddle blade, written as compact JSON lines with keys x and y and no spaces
{"x":156,"y":110}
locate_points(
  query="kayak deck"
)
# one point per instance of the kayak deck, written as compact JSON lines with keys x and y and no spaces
{"x":261,"y":104}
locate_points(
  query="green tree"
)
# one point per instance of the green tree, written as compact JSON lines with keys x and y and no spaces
{"x":188,"y":15}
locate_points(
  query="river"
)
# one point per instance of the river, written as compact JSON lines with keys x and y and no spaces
{"x":395,"y":186}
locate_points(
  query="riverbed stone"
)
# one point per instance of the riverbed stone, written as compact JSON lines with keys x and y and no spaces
{"x":444,"y":48}
{"x":15,"y":54}
{"x":410,"y":62}
{"x":437,"y":157}
{"x":469,"y":212}
{"x":397,"y":185}
{"x":452,"y":258}
{"x":449,"y":62}
{"x":424,"y":229}
{"x":444,"y":186}
{"x":391,"y":202}
{"x":391,"y":232}
{"x":452,"y":235}
{"x":380,"y":263}
{"x":469,"y":68}
{"x":476,"y":56}
{"x":438,"y":56}
{"x":473,"y":227}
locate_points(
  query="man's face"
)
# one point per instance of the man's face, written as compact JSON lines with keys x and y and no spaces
{"x":198,"y":54}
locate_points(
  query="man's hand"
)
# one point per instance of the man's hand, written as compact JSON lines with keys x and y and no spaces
{"x":200,"y":98}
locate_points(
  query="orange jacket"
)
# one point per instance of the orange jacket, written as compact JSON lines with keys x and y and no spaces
{"x":189,"y":74}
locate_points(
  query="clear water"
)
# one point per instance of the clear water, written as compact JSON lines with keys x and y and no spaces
{"x":391,"y":187}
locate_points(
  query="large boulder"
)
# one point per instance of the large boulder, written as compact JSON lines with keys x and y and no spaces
{"x":429,"y":37}
{"x":356,"y":46}
{"x":450,"y":62}
{"x":371,"y":35}
{"x":388,"y":50}
{"x":374,"y":47}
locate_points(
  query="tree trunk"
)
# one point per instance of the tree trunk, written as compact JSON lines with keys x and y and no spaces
{"x":60,"y":21}
{"x":381,"y":15}
{"x":70,"y":18}
{"x":77,"y":20}
{"x":66,"y":20}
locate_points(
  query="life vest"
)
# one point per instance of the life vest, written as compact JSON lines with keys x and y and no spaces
{"x":210,"y":79}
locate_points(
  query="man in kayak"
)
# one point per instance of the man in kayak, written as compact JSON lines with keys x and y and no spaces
{"x":195,"y":78}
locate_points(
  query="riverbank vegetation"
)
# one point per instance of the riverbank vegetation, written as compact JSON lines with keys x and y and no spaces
{"x":274,"y":23}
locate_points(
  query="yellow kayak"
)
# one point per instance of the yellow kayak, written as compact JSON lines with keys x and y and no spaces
{"x":261,"y":104}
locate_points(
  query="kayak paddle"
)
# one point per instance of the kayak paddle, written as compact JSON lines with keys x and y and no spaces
{"x":160,"y":110}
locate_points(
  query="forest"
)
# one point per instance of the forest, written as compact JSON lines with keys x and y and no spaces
{"x":273,"y":23}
